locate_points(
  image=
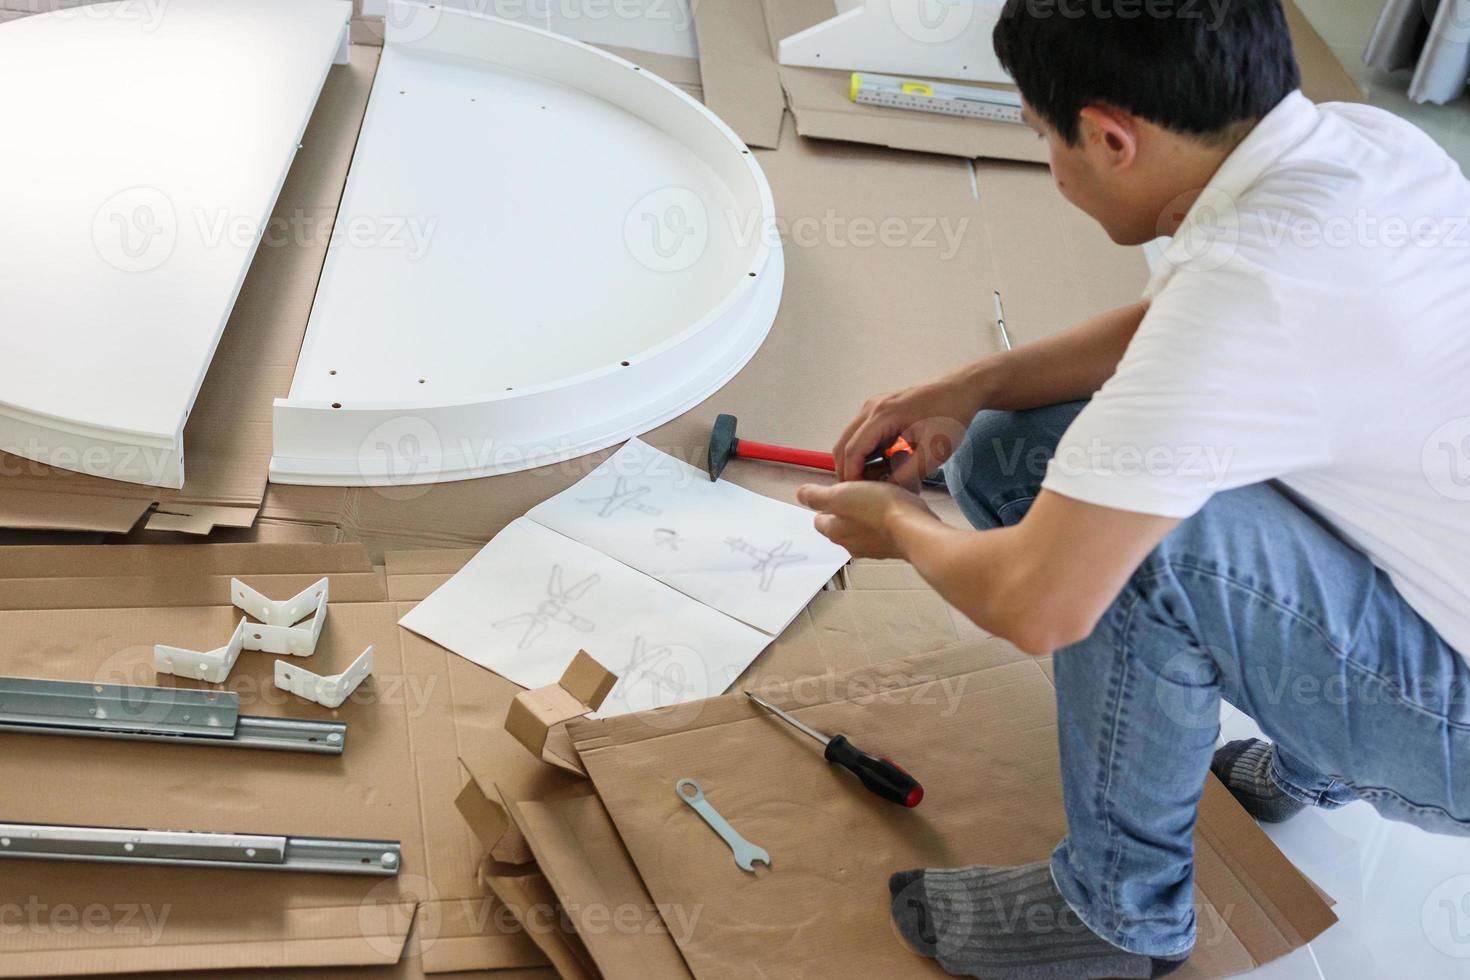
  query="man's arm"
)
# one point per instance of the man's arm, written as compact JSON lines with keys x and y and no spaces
{"x":1064,"y":367}
{"x":1068,"y":366}
{"x":1042,"y":584}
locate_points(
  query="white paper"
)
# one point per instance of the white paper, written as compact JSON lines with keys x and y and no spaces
{"x":532,"y":598}
{"x":757,"y":559}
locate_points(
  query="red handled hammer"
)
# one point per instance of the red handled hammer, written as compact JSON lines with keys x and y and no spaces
{"x":723,"y":447}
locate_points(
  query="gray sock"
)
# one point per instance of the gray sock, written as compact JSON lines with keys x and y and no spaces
{"x":1244,"y":767}
{"x":1007,"y":924}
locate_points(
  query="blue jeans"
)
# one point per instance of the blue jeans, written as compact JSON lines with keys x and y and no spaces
{"x":1253,"y":600}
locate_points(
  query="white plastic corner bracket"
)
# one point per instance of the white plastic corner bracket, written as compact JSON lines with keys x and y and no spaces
{"x":276,"y":632}
{"x":329,"y":692}
{"x":210,"y":665}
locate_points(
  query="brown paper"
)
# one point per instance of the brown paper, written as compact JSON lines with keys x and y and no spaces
{"x":977,"y":726}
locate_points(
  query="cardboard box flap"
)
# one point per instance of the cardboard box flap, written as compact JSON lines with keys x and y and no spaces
{"x":1293,"y":910}
{"x":525,"y":891}
{"x":228,"y":435}
{"x":737,"y":70}
{"x":584,"y":685}
{"x":483,"y":809}
{"x":978,"y":727}
{"x":200,"y":518}
{"x":579,"y":851}
{"x":353,"y":935}
{"x":45,"y":511}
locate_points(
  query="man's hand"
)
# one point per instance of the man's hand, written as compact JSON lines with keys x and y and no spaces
{"x":933,"y":418}
{"x":860,"y":516}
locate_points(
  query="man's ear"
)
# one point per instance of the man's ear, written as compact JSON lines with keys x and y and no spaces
{"x":1109,"y":134}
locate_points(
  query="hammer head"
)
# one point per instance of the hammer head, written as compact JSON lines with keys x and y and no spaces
{"x":722,"y":443}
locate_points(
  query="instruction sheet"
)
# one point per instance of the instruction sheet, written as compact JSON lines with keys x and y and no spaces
{"x":674,"y":583}
{"x":751,"y":557}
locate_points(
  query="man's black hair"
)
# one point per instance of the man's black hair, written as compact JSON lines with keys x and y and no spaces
{"x":1198,"y":67}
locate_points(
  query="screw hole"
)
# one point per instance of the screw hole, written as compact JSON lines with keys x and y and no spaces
{"x":339,"y":404}
{"x":625,"y":364}
{"x":752,"y":275}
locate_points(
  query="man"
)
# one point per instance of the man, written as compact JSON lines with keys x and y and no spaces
{"x":1256,"y":486}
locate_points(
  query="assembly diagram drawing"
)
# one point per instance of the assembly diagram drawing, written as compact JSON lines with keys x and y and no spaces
{"x":553,"y":609}
{"x":767,"y":560}
{"x":667,"y":537}
{"x":623,"y":497}
{"x":662,"y":671}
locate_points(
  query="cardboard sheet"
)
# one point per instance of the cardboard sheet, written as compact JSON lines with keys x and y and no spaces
{"x":756,"y":559}
{"x":531,"y":598}
{"x":978,"y":728}
{"x":615,"y":918}
{"x":93,"y":613}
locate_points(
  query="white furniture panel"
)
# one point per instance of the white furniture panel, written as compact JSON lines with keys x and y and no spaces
{"x":542,"y":250}
{"x":144,"y":146}
{"x":925,"y":38}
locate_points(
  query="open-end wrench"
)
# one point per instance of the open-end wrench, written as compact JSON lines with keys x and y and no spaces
{"x":746,"y":853}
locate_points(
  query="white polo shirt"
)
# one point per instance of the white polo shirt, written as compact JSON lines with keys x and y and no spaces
{"x":1310,"y":323}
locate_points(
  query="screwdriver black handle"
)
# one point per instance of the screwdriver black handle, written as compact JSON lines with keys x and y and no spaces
{"x":882,"y":777}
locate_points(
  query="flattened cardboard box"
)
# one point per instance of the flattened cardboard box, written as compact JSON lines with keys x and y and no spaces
{"x":396,"y":779}
{"x":746,"y":86}
{"x":978,"y":727}
{"x":564,"y":828}
{"x":465,"y":719}
{"x":228,"y":435}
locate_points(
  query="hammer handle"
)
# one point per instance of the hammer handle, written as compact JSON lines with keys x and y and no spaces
{"x":745,"y":449}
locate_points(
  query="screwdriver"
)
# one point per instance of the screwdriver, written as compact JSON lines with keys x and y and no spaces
{"x":882,"y":777}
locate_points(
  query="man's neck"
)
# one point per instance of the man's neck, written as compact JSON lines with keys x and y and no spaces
{"x":1186,"y":166}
